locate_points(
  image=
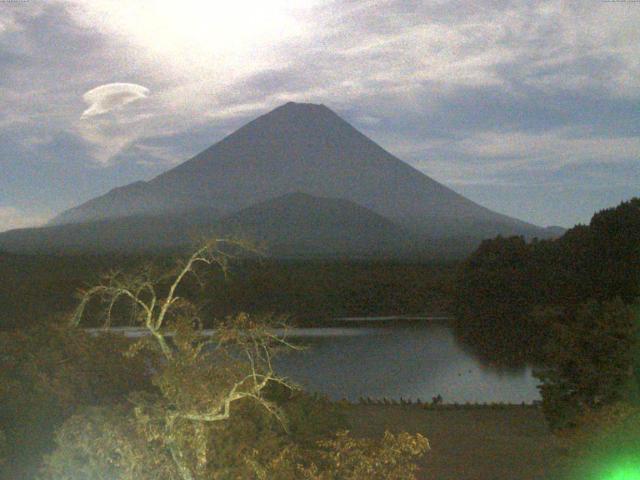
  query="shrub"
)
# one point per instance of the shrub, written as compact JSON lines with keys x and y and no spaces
{"x":590,"y":359}
{"x":47,"y":374}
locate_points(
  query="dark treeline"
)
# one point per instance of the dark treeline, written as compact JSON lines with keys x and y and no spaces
{"x":313,"y":291}
{"x":37,"y":287}
{"x":569,"y":305}
{"x":501,"y":286}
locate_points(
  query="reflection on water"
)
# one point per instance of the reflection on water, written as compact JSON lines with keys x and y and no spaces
{"x":408,"y":361}
{"x":300,"y":334}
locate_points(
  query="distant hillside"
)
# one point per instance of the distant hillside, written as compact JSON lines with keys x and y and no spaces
{"x":294,"y":225}
{"x":135,"y":233}
{"x":298,"y":224}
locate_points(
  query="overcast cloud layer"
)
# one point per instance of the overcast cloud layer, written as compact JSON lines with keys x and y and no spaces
{"x":530,"y":108}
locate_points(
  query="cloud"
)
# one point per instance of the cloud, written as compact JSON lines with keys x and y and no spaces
{"x":7,"y":23}
{"x":482,"y":93}
{"x":111,"y":96}
{"x":215,"y":38}
{"x":111,"y":134}
{"x":559,"y":147}
{"x":11,"y":217}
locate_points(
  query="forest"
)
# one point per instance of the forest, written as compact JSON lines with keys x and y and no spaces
{"x":36,"y":288}
{"x":569,"y":305}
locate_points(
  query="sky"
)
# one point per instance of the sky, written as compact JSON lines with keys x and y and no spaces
{"x":529,"y":108}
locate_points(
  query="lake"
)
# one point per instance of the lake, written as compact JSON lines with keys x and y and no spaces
{"x":409,"y":360}
{"x":416,"y":358}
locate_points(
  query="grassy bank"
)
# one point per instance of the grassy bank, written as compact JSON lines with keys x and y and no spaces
{"x":477,"y":443}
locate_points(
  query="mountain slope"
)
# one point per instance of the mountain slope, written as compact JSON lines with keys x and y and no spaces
{"x":303,"y":148}
{"x":298,"y":224}
{"x":135,"y":233}
{"x":294,"y":225}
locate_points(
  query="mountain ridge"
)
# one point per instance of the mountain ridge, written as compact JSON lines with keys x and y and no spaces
{"x":293,"y":225}
{"x":297,"y":223}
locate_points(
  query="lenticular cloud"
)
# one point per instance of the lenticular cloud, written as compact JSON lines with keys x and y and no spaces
{"x":111,"y":96}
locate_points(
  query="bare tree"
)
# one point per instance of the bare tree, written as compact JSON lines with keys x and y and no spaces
{"x":199,"y":377}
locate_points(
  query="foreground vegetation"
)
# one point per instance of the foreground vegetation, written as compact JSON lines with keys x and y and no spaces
{"x":173,"y":404}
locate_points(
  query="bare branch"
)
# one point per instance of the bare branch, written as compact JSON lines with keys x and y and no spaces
{"x":211,"y":401}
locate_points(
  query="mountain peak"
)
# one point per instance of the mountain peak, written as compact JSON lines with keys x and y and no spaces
{"x":302,"y":106}
{"x":300,"y":112}
{"x":308,"y":148}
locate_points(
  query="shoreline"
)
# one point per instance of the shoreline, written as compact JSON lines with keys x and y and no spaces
{"x":304,"y":326}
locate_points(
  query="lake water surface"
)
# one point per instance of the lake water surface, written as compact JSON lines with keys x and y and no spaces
{"x":408,"y":361}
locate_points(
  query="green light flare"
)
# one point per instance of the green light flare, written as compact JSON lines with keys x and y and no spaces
{"x":628,"y":470}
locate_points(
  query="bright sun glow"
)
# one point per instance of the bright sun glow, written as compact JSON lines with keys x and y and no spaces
{"x":235,"y":35}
